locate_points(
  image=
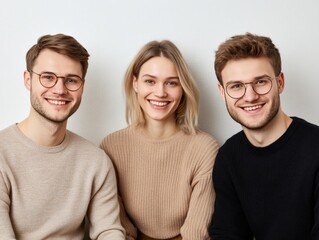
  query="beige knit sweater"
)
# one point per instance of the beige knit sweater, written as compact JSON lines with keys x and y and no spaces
{"x":165,"y":186}
{"x":46,"y":192}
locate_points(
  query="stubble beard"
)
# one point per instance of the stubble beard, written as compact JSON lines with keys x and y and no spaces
{"x":274,"y":109}
{"x":38,"y":107}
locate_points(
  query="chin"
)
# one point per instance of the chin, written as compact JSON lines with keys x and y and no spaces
{"x":257,"y":125}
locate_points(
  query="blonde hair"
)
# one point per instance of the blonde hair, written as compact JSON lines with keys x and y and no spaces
{"x":187,"y":111}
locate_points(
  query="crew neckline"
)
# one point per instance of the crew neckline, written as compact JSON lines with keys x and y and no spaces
{"x":139,"y":132}
{"x":27,"y":141}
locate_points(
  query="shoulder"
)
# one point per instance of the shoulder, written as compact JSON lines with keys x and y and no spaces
{"x":7,"y":129}
{"x":237,"y":137}
{"x":121,"y":133}
{"x":305,"y":135}
{"x":6,"y":133}
{"x":87,"y":150}
{"x":116,"y":137}
{"x":230,"y":151}
{"x":202,"y":146}
{"x":233,"y":145}
{"x":203,"y":140}
{"x":78,"y":140}
{"x":305,"y":125}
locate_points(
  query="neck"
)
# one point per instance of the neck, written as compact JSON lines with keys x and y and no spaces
{"x":159,"y":130}
{"x":269,"y":133}
{"x":42,"y":131}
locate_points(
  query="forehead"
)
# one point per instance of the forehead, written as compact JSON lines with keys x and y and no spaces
{"x":158,"y":66}
{"x":246,"y":69}
{"x":52,"y":61}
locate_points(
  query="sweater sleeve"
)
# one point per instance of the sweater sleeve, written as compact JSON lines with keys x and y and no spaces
{"x":315,"y":229}
{"x":6,"y":229}
{"x":131,"y":230}
{"x":228,"y":221}
{"x":202,"y":196}
{"x":103,"y":213}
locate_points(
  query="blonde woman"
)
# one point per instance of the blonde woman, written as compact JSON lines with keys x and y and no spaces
{"x":162,"y":160}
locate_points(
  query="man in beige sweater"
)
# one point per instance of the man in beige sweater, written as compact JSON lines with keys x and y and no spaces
{"x":51,"y":178}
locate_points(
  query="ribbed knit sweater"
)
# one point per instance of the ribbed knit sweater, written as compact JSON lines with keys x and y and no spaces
{"x":46,"y":192}
{"x":165,"y":186}
{"x":268,"y":193}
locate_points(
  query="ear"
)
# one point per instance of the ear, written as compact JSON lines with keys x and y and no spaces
{"x":281,"y":82}
{"x":27,"y":79}
{"x":83,"y":84}
{"x":135,"y":84}
{"x":221,"y":91}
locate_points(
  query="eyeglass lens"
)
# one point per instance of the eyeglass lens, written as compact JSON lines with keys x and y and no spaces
{"x":238,"y":89}
{"x":71,"y":82}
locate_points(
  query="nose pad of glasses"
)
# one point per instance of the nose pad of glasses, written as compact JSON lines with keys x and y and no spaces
{"x":250,"y":91}
{"x":59,"y":86}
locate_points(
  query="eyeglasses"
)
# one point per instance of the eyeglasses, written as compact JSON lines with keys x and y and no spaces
{"x":49,"y":80}
{"x":261,"y":86}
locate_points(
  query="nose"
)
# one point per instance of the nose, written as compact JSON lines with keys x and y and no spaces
{"x":160,"y":90}
{"x":250,"y":94}
{"x":59,"y":87}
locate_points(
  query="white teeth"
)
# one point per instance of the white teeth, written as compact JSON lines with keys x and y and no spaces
{"x":252,"y":108}
{"x":159,"y":103}
{"x":57,"y":102}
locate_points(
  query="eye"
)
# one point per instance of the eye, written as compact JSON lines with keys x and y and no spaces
{"x":172,"y":83}
{"x":48,"y":77}
{"x":149,"y":81}
{"x":72,"y":80}
{"x":261,"y":82}
{"x":235,"y":86}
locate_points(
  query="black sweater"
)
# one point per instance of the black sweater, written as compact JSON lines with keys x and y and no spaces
{"x":271,"y":192}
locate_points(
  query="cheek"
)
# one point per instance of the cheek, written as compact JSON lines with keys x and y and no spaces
{"x":77,"y":94}
{"x":143,"y":92}
{"x":140,"y":93}
{"x":141,"y":97}
{"x":177,"y":94}
{"x":37,"y":90}
{"x":230,"y":101}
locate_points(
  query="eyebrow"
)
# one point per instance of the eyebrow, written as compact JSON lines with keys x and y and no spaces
{"x":152,"y":76}
{"x":255,"y":78}
{"x":67,"y":75}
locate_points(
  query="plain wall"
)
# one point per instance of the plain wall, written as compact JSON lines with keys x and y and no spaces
{"x":113,"y":32}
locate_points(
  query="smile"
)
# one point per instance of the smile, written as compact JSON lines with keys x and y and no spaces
{"x":56,"y":102}
{"x":252,"y":108}
{"x":160,"y":104}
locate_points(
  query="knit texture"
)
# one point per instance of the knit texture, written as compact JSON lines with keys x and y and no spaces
{"x":270,"y":193}
{"x":165,"y":186}
{"x":46,"y":192}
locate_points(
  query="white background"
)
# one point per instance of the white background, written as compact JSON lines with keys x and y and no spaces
{"x":113,"y":32}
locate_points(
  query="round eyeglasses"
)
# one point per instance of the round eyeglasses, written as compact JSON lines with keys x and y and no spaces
{"x":237,"y":90}
{"x":50,"y":79}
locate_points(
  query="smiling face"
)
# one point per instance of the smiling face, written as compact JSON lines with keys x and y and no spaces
{"x":158,"y":89}
{"x":252,"y":111}
{"x":55,"y":104}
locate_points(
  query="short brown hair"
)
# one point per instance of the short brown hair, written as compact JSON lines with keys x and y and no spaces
{"x":187,"y":111}
{"x":246,"y":46}
{"x":62,"y":44}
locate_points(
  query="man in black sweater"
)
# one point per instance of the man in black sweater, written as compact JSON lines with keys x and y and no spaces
{"x":266,"y":177}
